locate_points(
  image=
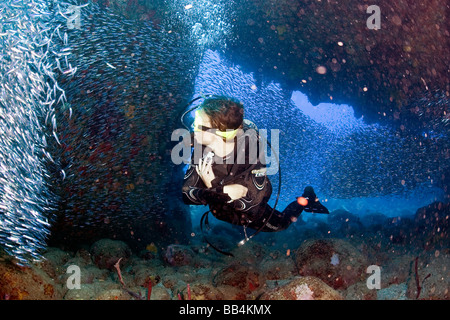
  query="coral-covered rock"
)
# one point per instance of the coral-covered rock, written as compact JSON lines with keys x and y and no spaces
{"x":242,"y":276}
{"x":84,"y":257}
{"x":303,"y":288}
{"x":251,"y":253}
{"x":27,"y":283}
{"x":277,"y":266}
{"x":86,"y":292}
{"x":171,"y":282}
{"x":113,"y":294}
{"x":335,"y":261}
{"x":359,"y":291}
{"x":232,"y":293}
{"x":396,"y":270}
{"x":178,"y":255}
{"x":393,"y":292}
{"x":56,"y":256}
{"x":53,"y":261}
{"x":203,"y":290}
{"x":142,"y":275}
{"x":398,"y":231}
{"x":431,"y":279}
{"x":106,"y":252}
{"x":432,"y":223}
{"x":88,"y":274}
{"x":159,"y":292}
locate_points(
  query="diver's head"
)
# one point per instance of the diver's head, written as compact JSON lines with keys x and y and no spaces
{"x":218,"y":118}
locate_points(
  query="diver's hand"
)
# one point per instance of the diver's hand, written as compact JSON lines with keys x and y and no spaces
{"x":235,"y":191}
{"x":205,"y":172}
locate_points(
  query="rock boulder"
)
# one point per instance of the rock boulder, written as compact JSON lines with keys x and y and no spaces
{"x":335,"y":261}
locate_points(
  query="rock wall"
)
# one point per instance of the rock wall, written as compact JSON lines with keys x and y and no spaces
{"x":326,"y":49}
{"x":115,"y":177}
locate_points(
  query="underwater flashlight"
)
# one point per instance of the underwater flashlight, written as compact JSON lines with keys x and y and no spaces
{"x":242,"y":242}
{"x":209,"y":157}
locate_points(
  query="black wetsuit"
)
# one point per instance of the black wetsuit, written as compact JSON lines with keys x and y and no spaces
{"x":250,"y":211}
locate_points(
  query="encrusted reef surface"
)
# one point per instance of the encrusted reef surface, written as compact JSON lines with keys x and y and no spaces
{"x":389,"y":259}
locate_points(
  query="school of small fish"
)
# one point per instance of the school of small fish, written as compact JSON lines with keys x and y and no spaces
{"x":34,"y":49}
{"x":81,"y":116}
{"x":86,"y":114}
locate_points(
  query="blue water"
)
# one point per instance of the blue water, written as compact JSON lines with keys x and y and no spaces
{"x":309,"y":134}
{"x":92,"y":142}
{"x":87,"y":109}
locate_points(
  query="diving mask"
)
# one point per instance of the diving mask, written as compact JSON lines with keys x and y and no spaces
{"x":227,"y":135}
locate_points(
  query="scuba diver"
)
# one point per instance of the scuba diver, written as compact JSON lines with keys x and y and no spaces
{"x":226,"y":175}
